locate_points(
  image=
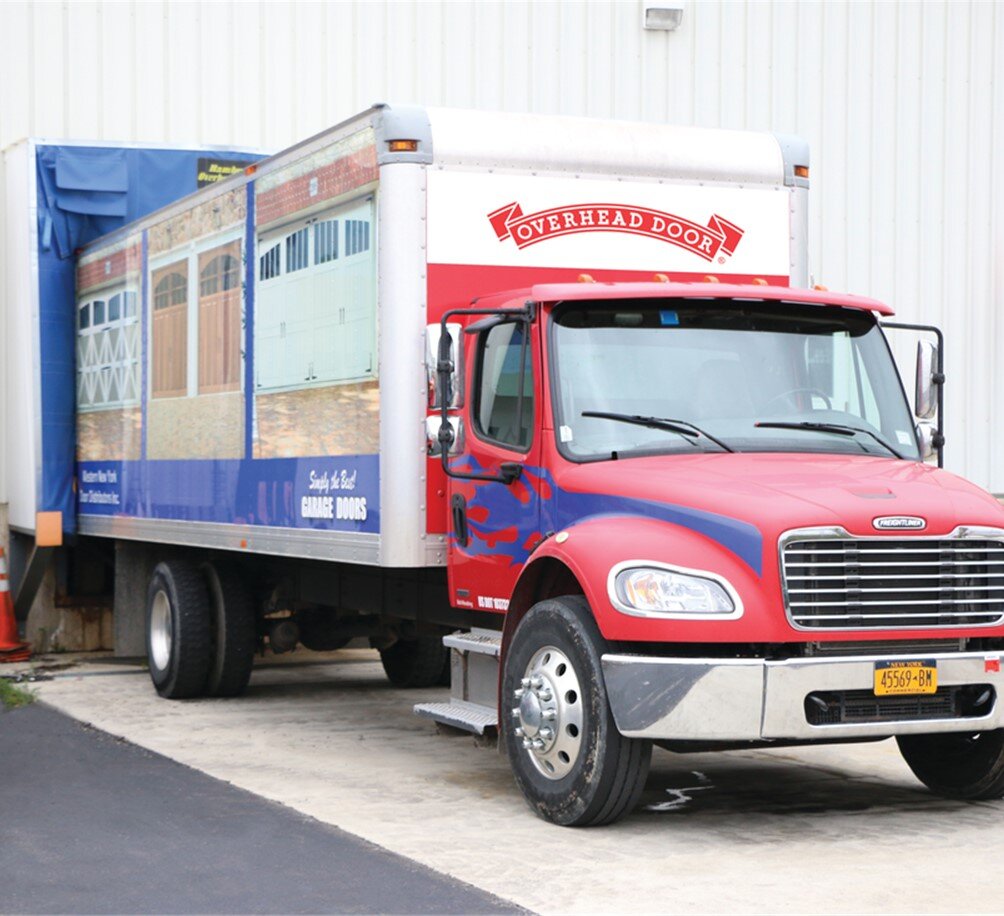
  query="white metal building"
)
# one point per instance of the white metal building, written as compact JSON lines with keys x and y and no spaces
{"x":901,"y":103}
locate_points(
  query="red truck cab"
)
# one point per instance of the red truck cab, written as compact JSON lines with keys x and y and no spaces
{"x":705,"y":514}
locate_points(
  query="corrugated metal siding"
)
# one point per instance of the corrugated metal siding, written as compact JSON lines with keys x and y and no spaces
{"x":899,"y":101}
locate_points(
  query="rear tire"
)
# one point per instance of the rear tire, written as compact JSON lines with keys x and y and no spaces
{"x":584,"y":773}
{"x":232,"y":629}
{"x":967,"y":765}
{"x":178,"y":630}
{"x":415,"y":662}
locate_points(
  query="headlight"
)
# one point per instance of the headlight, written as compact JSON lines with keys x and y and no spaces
{"x":644,"y":589}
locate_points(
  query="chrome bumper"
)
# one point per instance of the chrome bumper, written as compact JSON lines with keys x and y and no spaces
{"x":714,"y":699}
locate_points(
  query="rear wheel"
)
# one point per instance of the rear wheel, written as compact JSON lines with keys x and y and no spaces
{"x":178,"y":630}
{"x":571,"y":764}
{"x":415,"y":662}
{"x":966,"y":765}
{"x":232,"y":628}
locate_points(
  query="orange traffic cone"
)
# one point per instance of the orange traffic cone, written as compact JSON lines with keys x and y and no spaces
{"x":11,"y":648}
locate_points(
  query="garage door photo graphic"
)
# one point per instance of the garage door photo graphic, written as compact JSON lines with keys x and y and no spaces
{"x":243,"y":387}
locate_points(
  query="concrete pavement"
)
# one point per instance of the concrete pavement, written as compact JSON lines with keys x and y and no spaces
{"x":822,"y":829}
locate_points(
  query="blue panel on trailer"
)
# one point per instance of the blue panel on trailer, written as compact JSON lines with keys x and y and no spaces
{"x":83,"y":193}
{"x":340,"y":493}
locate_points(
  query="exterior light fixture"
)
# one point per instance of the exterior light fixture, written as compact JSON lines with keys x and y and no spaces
{"x":662,"y":15}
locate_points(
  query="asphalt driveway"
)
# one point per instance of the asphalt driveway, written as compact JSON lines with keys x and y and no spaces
{"x":90,"y":823}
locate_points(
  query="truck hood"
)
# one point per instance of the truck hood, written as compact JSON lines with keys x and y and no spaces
{"x":774,"y":492}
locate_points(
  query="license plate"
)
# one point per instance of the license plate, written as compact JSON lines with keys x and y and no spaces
{"x":906,"y":677}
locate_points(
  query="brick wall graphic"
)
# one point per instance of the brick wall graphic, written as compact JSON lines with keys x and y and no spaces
{"x":325,"y":175}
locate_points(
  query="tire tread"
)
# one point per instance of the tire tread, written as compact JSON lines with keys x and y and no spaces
{"x":231,"y":664}
{"x":415,"y":663}
{"x":189,"y":664}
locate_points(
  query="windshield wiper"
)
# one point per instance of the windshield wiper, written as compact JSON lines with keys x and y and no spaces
{"x":836,"y":428}
{"x":683,"y":427}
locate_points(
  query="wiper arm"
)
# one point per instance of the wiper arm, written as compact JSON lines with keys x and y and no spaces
{"x":683,"y":427}
{"x":837,"y":428}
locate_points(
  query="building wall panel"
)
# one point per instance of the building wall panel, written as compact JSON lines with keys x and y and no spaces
{"x":900,"y":102}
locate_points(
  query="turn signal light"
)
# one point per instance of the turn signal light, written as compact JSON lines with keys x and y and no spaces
{"x":250,"y":170}
{"x":710,"y":279}
{"x":660,"y":278}
{"x":586,"y":278}
{"x":759,"y":281}
{"x":402,"y":146}
{"x":821,"y":288}
{"x":801,"y":171}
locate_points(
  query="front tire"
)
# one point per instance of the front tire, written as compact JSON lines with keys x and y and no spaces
{"x":571,"y":764}
{"x":957,"y":765}
{"x":178,"y":630}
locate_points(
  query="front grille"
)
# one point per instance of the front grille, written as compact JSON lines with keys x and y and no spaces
{"x":885,"y":647}
{"x":886,"y":583}
{"x":856,"y":707}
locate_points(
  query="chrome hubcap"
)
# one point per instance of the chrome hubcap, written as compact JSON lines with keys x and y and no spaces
{"x":548,"y":714}
{"x":161,"y":631}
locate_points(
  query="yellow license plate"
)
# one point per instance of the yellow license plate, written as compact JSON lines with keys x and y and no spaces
{"x":906,"y":677}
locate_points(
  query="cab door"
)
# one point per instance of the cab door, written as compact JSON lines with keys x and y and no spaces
{"x":495,"y":524}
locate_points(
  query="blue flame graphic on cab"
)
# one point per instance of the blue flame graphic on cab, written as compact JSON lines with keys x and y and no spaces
{"x":509,"y":520}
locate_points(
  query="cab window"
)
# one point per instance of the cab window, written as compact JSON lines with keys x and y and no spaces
{"x":503,"y":405}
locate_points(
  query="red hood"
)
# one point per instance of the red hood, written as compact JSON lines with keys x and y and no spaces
{"x":776,"y":492}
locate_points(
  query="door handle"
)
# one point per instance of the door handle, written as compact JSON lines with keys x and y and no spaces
{"x":458,"y":506}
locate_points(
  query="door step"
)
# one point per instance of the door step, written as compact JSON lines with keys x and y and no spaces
{"x":466,"y":716}
{"x":474,"y":672}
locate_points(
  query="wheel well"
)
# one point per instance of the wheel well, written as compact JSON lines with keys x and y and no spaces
{"x":544,"y":578}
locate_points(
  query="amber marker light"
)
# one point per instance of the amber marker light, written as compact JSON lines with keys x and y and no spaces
{"x":821,"y":288}
{"x":402,"y":146}
{"x":660,"y":278}
{"x":801,"y":171}
{"x":710,"y":279}
{"x":250,"y":170}
{"x":585,"y":278}
{"x":759,"y":281}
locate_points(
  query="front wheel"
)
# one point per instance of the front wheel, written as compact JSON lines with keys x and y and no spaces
{"x":571,"y":764}
{"x":968,"y":765}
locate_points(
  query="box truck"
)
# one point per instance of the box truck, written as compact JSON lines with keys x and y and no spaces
{"x":545,"y":407}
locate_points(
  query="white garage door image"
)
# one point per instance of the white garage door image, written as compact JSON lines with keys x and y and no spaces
{"x":108,"y":350}
{"x":315,"y":301}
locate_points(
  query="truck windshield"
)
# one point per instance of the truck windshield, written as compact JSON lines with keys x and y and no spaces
{"x":759,"y":377}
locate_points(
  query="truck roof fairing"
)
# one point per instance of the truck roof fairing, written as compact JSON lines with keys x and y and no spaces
{"x":584,"y":292}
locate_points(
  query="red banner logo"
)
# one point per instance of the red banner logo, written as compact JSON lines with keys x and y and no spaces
{"x":719,"y":236}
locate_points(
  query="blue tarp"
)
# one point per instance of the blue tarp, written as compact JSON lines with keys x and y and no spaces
{"x":83,"y":193}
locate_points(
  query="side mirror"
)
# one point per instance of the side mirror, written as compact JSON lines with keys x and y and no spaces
{"x":453,"y":396}
{"x":433,"y":440}
{"x":925,"y":396}
{"x":926,"y":435}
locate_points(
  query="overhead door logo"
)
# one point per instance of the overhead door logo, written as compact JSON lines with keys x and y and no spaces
{"x":888,"y":522}
{"x":718,"y":238}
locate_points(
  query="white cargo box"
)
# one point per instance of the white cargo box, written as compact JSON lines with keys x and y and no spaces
{"x":250,"y":360}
